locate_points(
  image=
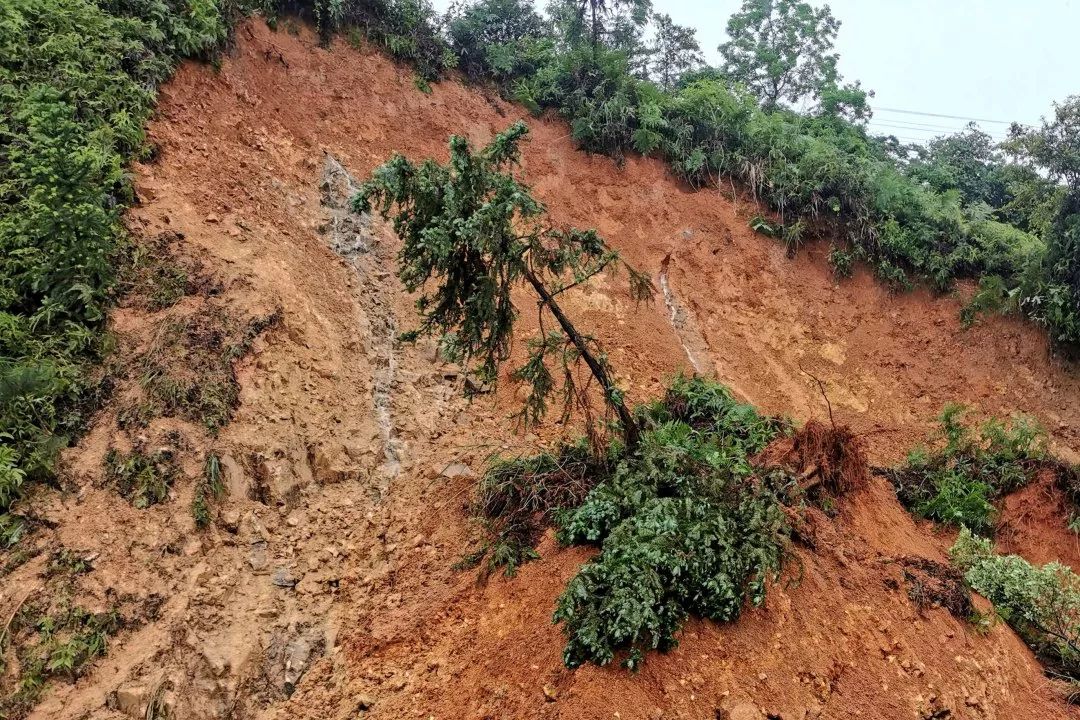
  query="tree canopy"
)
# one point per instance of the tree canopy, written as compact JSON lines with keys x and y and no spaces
{"x":471,"y":233}
{"x":675,"y":52}
{"x":781,"y":50}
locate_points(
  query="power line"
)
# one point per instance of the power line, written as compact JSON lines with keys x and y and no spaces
{"x":931,"y":133}
{"x":927,"y":126}
{"x":950,"y":117}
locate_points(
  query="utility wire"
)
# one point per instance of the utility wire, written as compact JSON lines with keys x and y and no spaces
{"x":926,"y":126}
{"x":930,"y":132}
{"x":950,"y":117}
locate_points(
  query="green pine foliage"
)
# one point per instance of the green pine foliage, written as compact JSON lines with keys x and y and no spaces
{"x":958,"y":482}
{"x":1041,"y":603}
{"x":471,"y":231}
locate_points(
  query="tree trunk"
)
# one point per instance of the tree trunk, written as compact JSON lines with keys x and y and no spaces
{"x":631,"y":432}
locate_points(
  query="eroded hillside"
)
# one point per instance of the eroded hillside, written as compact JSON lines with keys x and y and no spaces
{"x":323,"y":586}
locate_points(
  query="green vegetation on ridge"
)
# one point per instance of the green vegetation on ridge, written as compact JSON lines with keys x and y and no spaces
{"x":77,"y":83}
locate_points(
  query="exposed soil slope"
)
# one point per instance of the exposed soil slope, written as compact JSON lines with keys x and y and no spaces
{"x":336,"y":459}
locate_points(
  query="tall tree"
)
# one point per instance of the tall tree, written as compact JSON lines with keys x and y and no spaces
{"x":675,"y":52}
{"x":471,"y":234}
{"x":1055,"y":148}
{"x":781,"y":50}
{"x":625,"y":32}
{"x":597,"y":20}
{"x":968,"y":161}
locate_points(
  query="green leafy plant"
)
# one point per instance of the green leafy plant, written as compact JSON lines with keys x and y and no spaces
{"x":141,"y":478}
{"x":841,"y":261}
{"x":76,"y":84}
{"x":209,"y":489}
{"x":958,"y":482}
{"x":685,"y":523}
{"x":684,"y":528}
{"x":1041,"y":603}
{"x":53,"y":643}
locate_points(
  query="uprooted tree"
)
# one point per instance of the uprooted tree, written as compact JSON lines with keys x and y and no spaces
{"x":472,"y":233}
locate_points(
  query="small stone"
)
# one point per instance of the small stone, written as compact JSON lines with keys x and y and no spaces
{"x":257,"y":558}
{"x":212,"y":218}
{"x":297,"y":655}
{"x":130,"y":700}
{"x":230,"y":519}
{"x":364,"y":702}
{"x":284,"y":578}
{"x":745,"y":711}
{"x":550,"y":694}
{"x":454,"y":471}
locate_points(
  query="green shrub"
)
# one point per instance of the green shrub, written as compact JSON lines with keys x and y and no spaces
{"x":76,"y":83}
{"x":1041,"y":603}
{"x":684,"y":523}
{"x":957,"y":483}
{"x":684,"y":528}
{"x":497,"y":39}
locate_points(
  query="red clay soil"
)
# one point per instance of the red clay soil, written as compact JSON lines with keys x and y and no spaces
{"x":393,"y":631}
{"x":1032,"y":524}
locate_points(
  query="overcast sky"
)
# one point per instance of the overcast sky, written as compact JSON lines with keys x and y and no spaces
{"x":991,"y":59}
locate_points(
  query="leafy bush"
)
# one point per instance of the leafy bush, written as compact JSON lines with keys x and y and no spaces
{"x":683,"y":525}
{"x":1041,"y":603}
{"x":684,"y":522}
{"x":957,"y":483}
{"x":406,"y":29}
{"x":498,"y":39}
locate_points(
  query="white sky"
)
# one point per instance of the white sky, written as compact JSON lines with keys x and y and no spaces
{"x":993,"y":59}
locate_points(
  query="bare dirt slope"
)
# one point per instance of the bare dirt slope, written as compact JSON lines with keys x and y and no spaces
{"x":336,"y":458}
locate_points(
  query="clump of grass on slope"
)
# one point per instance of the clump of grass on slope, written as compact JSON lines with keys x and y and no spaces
{"x":958,"y":483}
{"x":518,"y":497}
{"x":142,"y":478}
